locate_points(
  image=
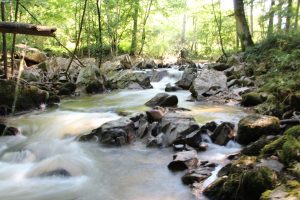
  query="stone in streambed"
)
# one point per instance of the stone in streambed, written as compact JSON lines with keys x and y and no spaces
{"x":164,"y":100}
{"x":184,"y":160}
{"x":252,"y":127}
{"x":252,"y":99}
{"x":116,"y":133}
{"x":223,"y":133}
{"x":188,"y":76}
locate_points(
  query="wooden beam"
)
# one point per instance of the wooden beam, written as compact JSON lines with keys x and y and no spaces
{"x":27,"y":29}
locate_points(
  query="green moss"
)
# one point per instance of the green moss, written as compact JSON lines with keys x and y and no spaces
{"x":294,"y":132}
{"x":295,"y":170}
{"x":251,"y":99}
{"x":293,"y":188}
{"x":266,"y":195}
{"x":290,"y":151}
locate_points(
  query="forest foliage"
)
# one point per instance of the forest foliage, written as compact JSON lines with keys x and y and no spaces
{"x":158,"y":28}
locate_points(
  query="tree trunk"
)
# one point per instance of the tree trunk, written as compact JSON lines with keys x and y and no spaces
{"x":297,"y":15}
{"x":251,"y":17}
{"x":144,"y":25}
{"x":78,"y":39}
{"x":14,"y":41}
{"x":279,"y":9}
{"x":4,"y":50}
{"x":219,"y":26}
{"x":289,"y":15}
{"x":98,"y":2}
{"x":271,"y":19}
{"x":134,"y":30}
{"x":242,"y":25}
{"x":183,"y":31}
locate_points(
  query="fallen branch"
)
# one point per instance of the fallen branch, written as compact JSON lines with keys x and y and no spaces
{"x":27,"y":29}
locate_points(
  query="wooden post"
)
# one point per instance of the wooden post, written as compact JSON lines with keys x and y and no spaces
{"x":4,"y":50}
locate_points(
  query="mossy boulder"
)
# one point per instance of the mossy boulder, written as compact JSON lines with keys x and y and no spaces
{"x":288,"y":191}
{"x":247,"y":185}
{"x":29,"y":97}
{"x":252,"y":127}
{"x":287,"y":147}
{"x":252,"y":99}
{"x":67,"y":88}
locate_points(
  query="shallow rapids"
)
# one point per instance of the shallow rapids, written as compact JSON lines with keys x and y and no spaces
{"x":93,"y":172}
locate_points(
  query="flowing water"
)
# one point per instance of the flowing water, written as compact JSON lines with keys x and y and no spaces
{"x":127,"y":173}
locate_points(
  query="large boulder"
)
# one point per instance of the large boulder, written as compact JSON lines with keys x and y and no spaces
{"x":252,"y":127}
{"x":67,"y":88}
{"x":157,"y":76}
{"x":31,"y":75}
{"x":116,"y":133}
{"x":245,"y":178}
{"x":29,"y":97}
{"x":163,"y":99}
{"x":177,"y":126}
{"x":90,"y":80}
{"x":146,"y":63}
{"x":188,"y":76}
{"x":208,"y":83}
{"x":34,"y":56}
{"x":128,"y":79}
{"x":252,"y":99}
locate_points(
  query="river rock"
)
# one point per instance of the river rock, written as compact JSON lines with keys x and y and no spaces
{"x":208,"y":83}
{"x":177,"y":125}
{"x":254,"y":148}
{"x":29,"y":97}
{"x":157,"y":76}
{"x":67,"y":88}
{"x":163,"y":99}
{"x":116,"y":133}
{"x":156,"y":114}
{"x":244,"y":178}
{"x":219,"y":66}
{"x":193,"y":139}
{"x":125,"y":79}
{"x":188,"y":76}
{"x":90,"y":80}
{"x":209,"y":126}
{"x":252,"y":127}
{"x":197,"y":175}
{"x":252,"y":99}
{"x":184,"y":160}
{"x":31,"y":75}
{"x":171,"y":88}
{"x":8,"y":131}
{"x":146,"y":63}
{"x":34,"y":55}
{"x":223,"y":133}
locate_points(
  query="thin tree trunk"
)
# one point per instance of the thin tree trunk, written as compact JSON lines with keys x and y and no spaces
{"x":279,"y":8}
{"x":219,"y":26}
{"x":144,"y":26}
{"x":271,"y":19}
{"x":289,"y":15}
{"x":4,"y":50}
{"x":242,"y":25}
{"x":183,"y":31}
{"x":297,"y":15}
{"x":134,"y":30}
{"x":98,"y":2}
{"x":79,"y":34}
{"x":251,"y":17}
{"x":14,"y":41}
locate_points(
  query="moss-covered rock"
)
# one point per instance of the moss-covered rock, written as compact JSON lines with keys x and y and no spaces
{"x":252,"y":99}
{"x":67,"y":88}
{"x":288,"y":191}
{"x":248,"y":185}
{"x":252,"y":127}
{"x":295,"y":170}
{"x":29,"y":97}
{"x":287,"y":147}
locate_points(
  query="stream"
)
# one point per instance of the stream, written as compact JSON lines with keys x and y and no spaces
{"x":126,"y":173}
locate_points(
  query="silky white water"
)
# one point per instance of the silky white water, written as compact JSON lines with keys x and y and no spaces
{"x":97,"y":173}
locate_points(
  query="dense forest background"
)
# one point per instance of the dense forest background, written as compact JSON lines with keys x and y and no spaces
{"x":151,"y":27}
